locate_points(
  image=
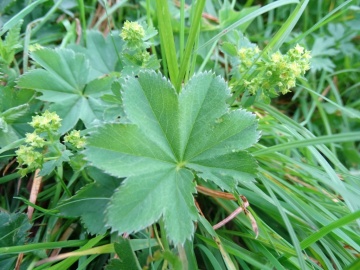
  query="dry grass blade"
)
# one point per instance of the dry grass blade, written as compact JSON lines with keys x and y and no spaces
{"x":35,"y":188}
{"x":233,"y":214}
{"x":215,"y":193}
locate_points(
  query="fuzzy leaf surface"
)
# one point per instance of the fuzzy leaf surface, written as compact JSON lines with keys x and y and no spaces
{"x":66,"y":82}
{"x":170,"y":138}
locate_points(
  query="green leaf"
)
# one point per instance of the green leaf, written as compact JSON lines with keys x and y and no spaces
{"x":321,"y":53}
{"x":19,"y":16}
{"x":11,"y":43}
{"x":229,"y":48}
{"x":13,"y":232}
{"x":103,"y":53}
{"x":171,"y":138}
{"x":90,"y":202}
{"x":16,"y":108}
{"x":127,"y":259}
{"x":66,"y":82}
{"x":228,"y":16}
{"x":14,"y":113}
{"x":50,"y":165}
{"x":13,"y":229}
{"x":173,"y":260}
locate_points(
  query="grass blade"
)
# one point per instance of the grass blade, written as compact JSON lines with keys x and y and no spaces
{"x":167,"y":38}
{"x":288,"y":224}
{"x":286,"y":28}
{"x":247,"y":18}
{"x":19,"y":16}
{"x":190,"y":42}
{"x":327,"y":229}
{"x":342,"y":137}
{"x":323,"y":21}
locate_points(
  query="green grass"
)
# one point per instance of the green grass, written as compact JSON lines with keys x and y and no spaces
{"x":304,"y":200}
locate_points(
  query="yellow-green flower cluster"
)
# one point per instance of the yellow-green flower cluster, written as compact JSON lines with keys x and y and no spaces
{"x":247,"y":57}
{"x":26,"y":155}
{"x":143,"y":57}
{"x":48,"y":121}
{"x":277,"y":73}
{"x":34,"y":140}
{"x":133,"y":33}
{"x":75,"y":139}
{"x":35,"y":47}
{"x":30,"y":156}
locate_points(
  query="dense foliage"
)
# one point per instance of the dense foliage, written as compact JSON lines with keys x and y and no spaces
{"x":179,"y":134}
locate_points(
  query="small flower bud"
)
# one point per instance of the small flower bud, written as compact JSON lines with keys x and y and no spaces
{"x":46,"y":121}
{"x":35,"y":47}
{"x":26,"y":155}
{"x":133,"y":33}
{"x":34,"y":140}
{"x":276,"y":57}
{"x":75,"y":139}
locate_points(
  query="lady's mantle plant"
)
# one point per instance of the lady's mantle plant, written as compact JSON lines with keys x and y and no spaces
{"x":166,"y":141}
{"x":42,"y":148}
{"x":278,"y":72}
{"x":261,"y":74}
{"x":170,"y":139}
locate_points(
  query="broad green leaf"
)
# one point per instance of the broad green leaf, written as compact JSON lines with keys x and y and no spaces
{"x":90,"y":202}
{"x":15,"y":113}
{"x":16,"y":108}
{"x":13,"y":229}
{"x":103,"y":53}
{"x":127,"y":259}
{"x":171,"y":138}
{"x":66,"y":82}
{"x":13,"y":232}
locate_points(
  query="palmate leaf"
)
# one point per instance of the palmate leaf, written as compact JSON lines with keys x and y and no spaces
{"x":171,"y":138}
{"x":66,"y":82}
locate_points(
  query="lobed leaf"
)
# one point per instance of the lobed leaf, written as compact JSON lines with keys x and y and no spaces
{"x":66,"y":82}
{"x":170,"y":138}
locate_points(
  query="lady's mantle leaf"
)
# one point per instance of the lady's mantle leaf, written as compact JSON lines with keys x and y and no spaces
{"x":172,"y":136}
{"x":103,"y":53}
{"x":90,"y":202}
{"x":65,"y":81}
